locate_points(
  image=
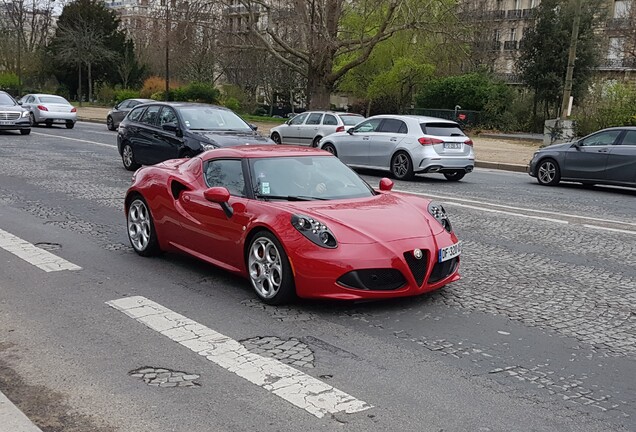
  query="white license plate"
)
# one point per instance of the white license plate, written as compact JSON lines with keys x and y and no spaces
{"x":453,"y":146}
{"x":450,"y":252}
{"x":6,"y":123}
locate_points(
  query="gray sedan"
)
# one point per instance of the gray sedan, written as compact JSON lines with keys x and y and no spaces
{"x":405,"y":145}
{"x":604,"y":157}
{"x":119,"y":111}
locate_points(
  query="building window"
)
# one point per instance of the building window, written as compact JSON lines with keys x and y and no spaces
{"x":615,"y":50}
{"x":513,"y":34}
{"x":621,"y":9}
{"x":496,"y":35}
{"x":517,"y":4}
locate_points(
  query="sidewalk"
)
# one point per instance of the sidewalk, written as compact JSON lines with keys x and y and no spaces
{"x":14,"y":420}
{"x":511,"y":152}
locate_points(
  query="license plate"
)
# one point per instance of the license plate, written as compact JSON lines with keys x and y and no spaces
{"x":6,"y":123}
{"x":453,"y":146}
{"x":450,"y":252}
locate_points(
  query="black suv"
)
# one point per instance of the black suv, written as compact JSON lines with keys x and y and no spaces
{"x":158,"y":131}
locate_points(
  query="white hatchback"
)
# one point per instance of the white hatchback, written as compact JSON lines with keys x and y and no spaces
{"x":310,"y":127}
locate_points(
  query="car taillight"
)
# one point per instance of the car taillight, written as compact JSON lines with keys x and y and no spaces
{"x":74,"y":109}
{"x":469,"y":142}
{"x":429,"y":141}
{"x":42,"y":108}
{"x":340,"y":129}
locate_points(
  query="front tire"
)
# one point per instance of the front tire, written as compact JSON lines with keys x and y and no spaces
{"x":32,"y":118}
{"x":25,"y":131}
{"x":454,"y":175}
{"x":316,"y":141}
{"x":269,"y":269}
{"x":141,"y":228}
{"x":402,"y":166}
{"x":548,"y":172}
{"x":276,"y":138}
{"x":128,"y":158}
{"x":110,"y":123}
{"x":331,"y":149}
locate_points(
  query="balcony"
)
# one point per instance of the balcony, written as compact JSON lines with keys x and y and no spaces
{"x":527,"y":13}
{"x":514,"y":14}
{"x":511,"y":45}
{"x":618,"y":64}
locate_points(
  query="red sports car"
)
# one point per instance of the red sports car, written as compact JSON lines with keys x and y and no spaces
{"x":295,"y":221}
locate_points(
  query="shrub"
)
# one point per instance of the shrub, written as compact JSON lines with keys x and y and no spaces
{"x":246,"y":102}
{"x":201,"y":92}
{"x":233,"y":104}
{"x":8,"y":80}
{"x":123,"y":94}
{"x":105,"y":94}
{"x":155,"y":84}
{"x":607,"y":104}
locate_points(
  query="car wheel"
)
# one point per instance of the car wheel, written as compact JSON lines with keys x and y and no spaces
{"x":128,"y":158}
{"x":269,"y":269}
{"x":316,"y":141}
{"x":548,"y":172}
{"x":32,"y":118}
{"x":25,"y":131}
{"x":401,"y":166}
{"x":330,"y":148}
{"x":110,"y":123}
{"x":454,"y":175}
{"x":70,"y":125}
{"x":48,"y":123}
{"x":141,"y":228}
{"x":276,"y":138}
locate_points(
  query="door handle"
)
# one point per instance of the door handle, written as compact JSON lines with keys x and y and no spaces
{"x":393,"y":139}
{"x":366,"y":138}
{"x":603,"y":150}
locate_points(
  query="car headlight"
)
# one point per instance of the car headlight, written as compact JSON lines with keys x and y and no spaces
{"x":209,"y":146}
{"x":316,"y":231}
{"x":439,"y":213}
{"x":25,"y":113}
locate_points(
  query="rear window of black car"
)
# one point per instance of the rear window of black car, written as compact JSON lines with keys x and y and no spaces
{"x":441,"y":129}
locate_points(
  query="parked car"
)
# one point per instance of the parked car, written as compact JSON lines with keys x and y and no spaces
{"x":261,"y":212}
{"x":119,"y":111}
{"x":607,"y":156}
{"x":49,"y":109}
{"x":12,"y":115}
{"x":158,"y":131}
{"x":310,"y":127}
{"x":405,"y":145}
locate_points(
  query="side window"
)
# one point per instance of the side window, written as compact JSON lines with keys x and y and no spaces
{"x":601,"y":139}
{"x":369,"y":125}
{"x":135,"y":114}
{"x":167,"y":116}
{"x":299,"y":119}
{"x":392,"y":126}
{"x":314,"y":119}
{"x":125,"y":104}
{"x":133,"y":103}
{"x":330,"y":120}
{"x":30,"y":99}
{"x":629,"y":138}
{"x":150,"y":116}
{"x":226,"y":173}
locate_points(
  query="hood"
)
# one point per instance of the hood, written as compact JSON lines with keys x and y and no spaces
{"x":14,"y":108}
{"x":371,"y":220}
{"x":562,"y":146}
{"x":229,"y":139}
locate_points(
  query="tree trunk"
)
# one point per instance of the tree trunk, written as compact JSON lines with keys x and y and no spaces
{"x":79,"y":84}
{"x":90,"y":83}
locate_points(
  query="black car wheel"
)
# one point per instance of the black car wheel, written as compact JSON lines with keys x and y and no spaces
{"x":128,"y":158}
{"x":25,"y":131}
{"x":70,"y":125}
{"x":548,"y":172}
{"x":330,"y":148}
{"x":276,"y":138}
{"x":316,"y":141}
{"x":401,"y":166}
{"x":454,"y":175}
{"x":110,"y":123}
{"x":141,"y":228}
{"x":32,"y":118}
{"x":269,"y":269}
{"x":49,"y":123}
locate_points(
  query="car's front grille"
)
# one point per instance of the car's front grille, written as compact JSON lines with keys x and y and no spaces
{"x":9,"y":115}
{"x":417,"y":266}
{"x":443,"y":270}
{"x":383,"y":279}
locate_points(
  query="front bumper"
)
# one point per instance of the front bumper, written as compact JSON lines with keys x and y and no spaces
{"x":532,"y":166}
{"x":21,"y":123}
{"x":319,"y":273}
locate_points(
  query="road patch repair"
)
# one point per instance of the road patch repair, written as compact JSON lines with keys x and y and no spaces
{"x":286,"y":382}
{"x":162,"y":377}
{"x":34,"y":255}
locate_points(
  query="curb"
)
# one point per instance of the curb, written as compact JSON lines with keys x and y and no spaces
{"x":509,"y":137}
{"x":91,"y":120}
{"x":502,"y":166}
{"x":13,"y":419}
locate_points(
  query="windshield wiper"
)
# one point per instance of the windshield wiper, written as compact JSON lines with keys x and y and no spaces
{"x":291,"y":197}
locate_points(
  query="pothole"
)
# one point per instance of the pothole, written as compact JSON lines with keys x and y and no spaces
{"x":48,"y":246}
{"x":291,"y":351}
{"x":162,"y":377}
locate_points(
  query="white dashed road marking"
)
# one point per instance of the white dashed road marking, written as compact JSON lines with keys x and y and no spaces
{"x":296,"y":387}
{"x":75,"y":139}
{"x":40,"y":258}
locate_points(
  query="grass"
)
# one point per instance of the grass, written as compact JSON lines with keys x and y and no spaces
{"x":265,"y":119}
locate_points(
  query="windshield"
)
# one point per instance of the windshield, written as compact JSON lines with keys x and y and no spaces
{"x":351,"y":120}
{"x":441,"y":129}
{"x":54,"y":99}
{"x":6,"y":100}
{"x":209,"y":118}
{"x":306,"y":178}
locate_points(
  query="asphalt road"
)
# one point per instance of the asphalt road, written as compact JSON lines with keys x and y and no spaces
{"x":540,"y":333}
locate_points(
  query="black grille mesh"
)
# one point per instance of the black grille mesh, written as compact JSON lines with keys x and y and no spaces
{"x":442,"y":270}
{"x":373,"y":279}
{"x":417,"y":266}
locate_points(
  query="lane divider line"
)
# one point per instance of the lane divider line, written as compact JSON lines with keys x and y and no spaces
{"x":610,"y":229}
{"x":75,"y":139}
{"x":292,"y":385}
{"x":34,"y":255}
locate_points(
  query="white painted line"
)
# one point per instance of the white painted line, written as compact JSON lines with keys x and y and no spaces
{"x":75,"y":139}
{"x":509,"y":213}
{"x":40,"y":258}
{"x":296,"y":387}
{"x":13,"y":419}
{"x":610,"y":229}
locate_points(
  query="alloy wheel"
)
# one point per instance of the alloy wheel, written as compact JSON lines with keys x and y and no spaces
{"x":265,"y":268}
{"x":401,"y":165}
{"x":127,"y":156}
{"x":547,"y":172}
{"x":139,"y":227}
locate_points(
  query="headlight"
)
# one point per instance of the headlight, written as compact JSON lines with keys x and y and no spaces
{"x":25,"y":113}
{"x":439,"y":213}
{"x":314,"y":230}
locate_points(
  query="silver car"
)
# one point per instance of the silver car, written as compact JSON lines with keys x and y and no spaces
{"x":405,"y":145}
{"x":49,"y":109}
{"x":604,"y":157}
{"x":119,"y":111}
{"x":12,"y":115}
{"x":310,"y":127}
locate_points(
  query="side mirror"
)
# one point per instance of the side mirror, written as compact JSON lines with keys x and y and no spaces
{"x":350,"y":131}
{"x":220,"y":195}
{"x":253,"y":126}
{"x":19,"y":102}
{"x":386,"y":184}
{"x":576,"y":145}
{"x":171,"y":127}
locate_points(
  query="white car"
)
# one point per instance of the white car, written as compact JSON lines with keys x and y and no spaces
{"x":49,"y":109}
{"x":310,"y":127}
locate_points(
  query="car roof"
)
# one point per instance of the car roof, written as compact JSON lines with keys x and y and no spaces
{"x":340,"y":113}
{"x":419,"y":118}
{"x":185,"y":104}
{"x":262,"y":151}
{"x":45,"y":94}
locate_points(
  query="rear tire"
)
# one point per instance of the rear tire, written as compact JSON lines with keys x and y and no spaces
{"x":454,"y":175}
{"x":25,"y":131}
{"x":548,"y":172}
{"x":269,"y":270}
{"x":48,"y":123}
{"x":331,"y":149}
{"x":141,"y":228}
{"x":70,"y":125}
{"x":32,"y":118}
{"x":276,"y":138}
{"x":402,"y":166}
{"x":316,"y":141}
{"x":128,"y":158}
